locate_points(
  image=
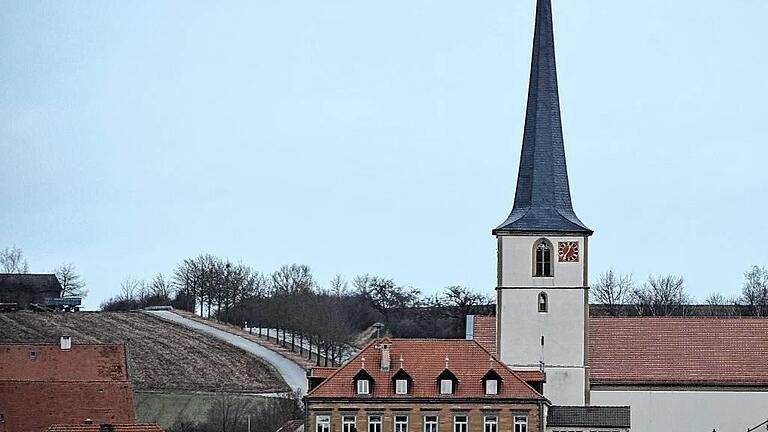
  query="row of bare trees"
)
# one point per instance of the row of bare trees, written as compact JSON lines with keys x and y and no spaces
{"x":13,"y":260}
{"x":302,"y":311}
{"x":617,"y":294}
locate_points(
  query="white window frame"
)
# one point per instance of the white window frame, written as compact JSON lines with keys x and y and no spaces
{"x":520,"y":423}
{"x":495,"y":384}
{"x":401,"y":386}
{"x":491,"y":423}
{"x":363,"y":387}
{"x":446,"y":386}
{"x":397,"y":421}
{"x":435,"y":423}
{"x":346,"y":421}
{"x":376,"y":420}
{"x":461,"y":425}
{"x":323,"y":423}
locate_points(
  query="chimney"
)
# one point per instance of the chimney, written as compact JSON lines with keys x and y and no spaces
{"x":66,"y":343}
{"x":386,"y":357}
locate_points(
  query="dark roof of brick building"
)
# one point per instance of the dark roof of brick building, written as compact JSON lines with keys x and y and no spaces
{"x":31,"y":282}
{"x":589,"y":416}
{"x":425,"y":360}
{"x":543,"y":197}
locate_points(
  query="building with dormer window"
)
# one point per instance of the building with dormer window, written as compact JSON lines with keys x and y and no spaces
{"x":423,"y":385}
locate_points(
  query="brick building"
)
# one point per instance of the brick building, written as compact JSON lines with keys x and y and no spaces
{"x":26,"y":289}
{"x":47,"y":384}
{"x":428,"y":385}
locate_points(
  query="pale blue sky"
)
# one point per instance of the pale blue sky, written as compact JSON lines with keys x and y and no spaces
{"x":379,"y":137}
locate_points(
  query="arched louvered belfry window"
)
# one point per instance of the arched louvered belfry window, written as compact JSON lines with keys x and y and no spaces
{"x":542,"y":259}
{"x":543,"y":304}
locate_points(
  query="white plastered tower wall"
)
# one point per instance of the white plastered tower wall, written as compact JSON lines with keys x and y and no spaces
{"x":521,"y":328}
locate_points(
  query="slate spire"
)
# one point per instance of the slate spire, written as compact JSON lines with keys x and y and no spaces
{"x":543,"y":197}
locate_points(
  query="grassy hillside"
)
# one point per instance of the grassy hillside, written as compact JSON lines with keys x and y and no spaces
{"x":161,"y":355}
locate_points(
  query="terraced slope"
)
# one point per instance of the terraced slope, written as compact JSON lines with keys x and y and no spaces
{"x":161,"y":355}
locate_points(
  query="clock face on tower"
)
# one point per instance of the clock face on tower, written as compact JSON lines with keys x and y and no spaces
{"x":568,"y":251}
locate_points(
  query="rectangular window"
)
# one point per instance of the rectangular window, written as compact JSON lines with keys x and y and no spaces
{"x":491,"y":424}
{"x":401,"y":386}
{"x":521,"y":423}
{"x":401,"y":423}
{"x":363,"y":387}
{"x":430,"y":423}
{"x":349,"y":424}
{"x":460,"y":423}
{"x":323,"y":423}
{"x":446,"y":387}
{"x":374,"y":423}
{"x":491,"y":387}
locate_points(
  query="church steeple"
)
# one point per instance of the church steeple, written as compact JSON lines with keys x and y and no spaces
{"x":543,"y":197}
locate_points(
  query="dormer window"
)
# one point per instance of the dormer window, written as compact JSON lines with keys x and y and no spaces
{"x":542,"y":255}
{"x":491,"y":383}
{"x":363,"y":387}
{"x":363,"y":382}
{"x":401,"y":386}
{"x":491,"y":387}
{"x":447,"y":382}
{"x":446,"y":387}
{"x":401,"y":382}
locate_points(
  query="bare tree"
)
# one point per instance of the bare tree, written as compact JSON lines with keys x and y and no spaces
{"x":12,"y":260}
{"x":339,"y":286}
{"x":131,"y":288}
{"x":662,"y":296}
{"x":293,"y":279}
{"x":72,"y":283}
{"x":464,"y":300}
{"x":385,"y":295}
{"x":754,"y":294}
{"x":612,"y":291}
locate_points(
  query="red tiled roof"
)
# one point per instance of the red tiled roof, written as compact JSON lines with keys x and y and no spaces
{"x":531,"y":376}
{"x":91,"y":363}
{"x":485,"y":332}
{"x":674,"y":350}
{"x":139,"y":427}
{"x":670,"y":350}
{"x":424,"y":360}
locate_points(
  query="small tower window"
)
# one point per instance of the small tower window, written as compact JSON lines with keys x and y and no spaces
{"x":543,"y":304}
{"x":543,"y":259}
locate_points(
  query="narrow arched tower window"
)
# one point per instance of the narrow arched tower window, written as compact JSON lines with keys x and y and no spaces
{"x":543,"y":259}
{"x":543,"y":306}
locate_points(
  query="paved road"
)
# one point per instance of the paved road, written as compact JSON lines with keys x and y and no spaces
{"x":292,"y":373}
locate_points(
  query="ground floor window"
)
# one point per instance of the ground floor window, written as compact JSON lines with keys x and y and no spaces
{"x":491,"y":424}
{"x":349,"y":424}
{"x":401,"y":423}
{"x":323,"y":423}
{"x":430,"y":423}
{"x":374,"y":423}
{"x":460,"y":423}
{"x":521,"y":423}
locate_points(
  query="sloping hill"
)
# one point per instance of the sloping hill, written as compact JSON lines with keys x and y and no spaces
{"x":161,"y":355}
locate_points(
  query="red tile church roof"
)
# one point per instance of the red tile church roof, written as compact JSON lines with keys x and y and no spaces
{"x":675,"y":350}
{"x":424,"y":360}
{"x":668,"y":350}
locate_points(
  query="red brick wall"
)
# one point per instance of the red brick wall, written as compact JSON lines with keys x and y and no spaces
{"x":33,"y":406}
{"x":81,"y":363}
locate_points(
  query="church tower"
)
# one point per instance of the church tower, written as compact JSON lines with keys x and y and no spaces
{"x":542,"y":288}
